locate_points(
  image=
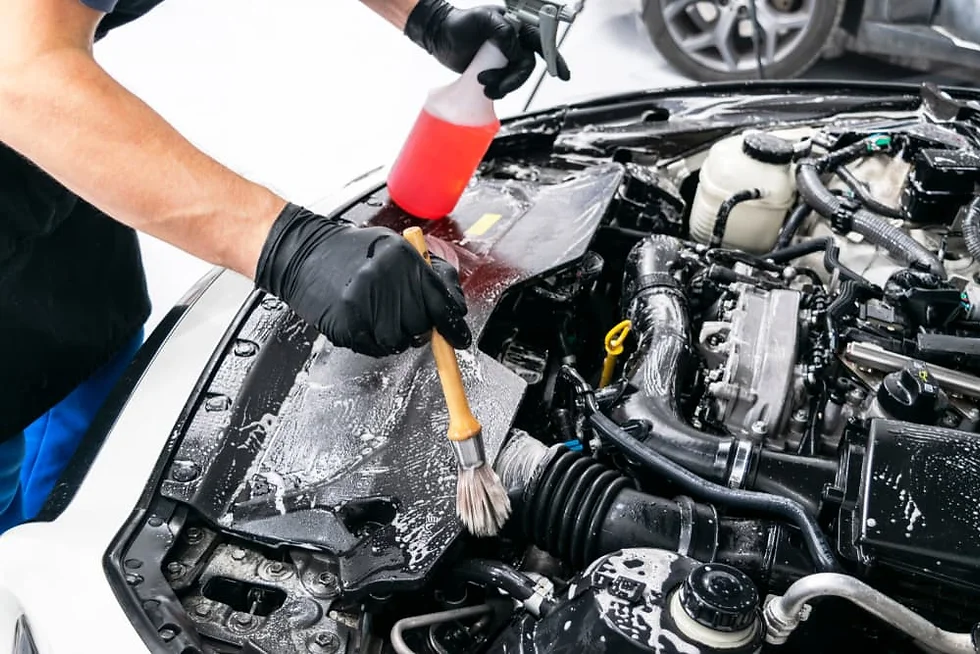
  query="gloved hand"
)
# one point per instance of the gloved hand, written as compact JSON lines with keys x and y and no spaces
{"x":453,"y":37}
{"x":366,"y":289}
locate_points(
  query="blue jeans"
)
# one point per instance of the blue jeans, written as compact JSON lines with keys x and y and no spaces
{"x":32,"y":462}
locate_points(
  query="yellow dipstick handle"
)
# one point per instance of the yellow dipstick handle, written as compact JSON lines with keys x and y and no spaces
{"x":462,"y":424}
{"x":614,"y":347}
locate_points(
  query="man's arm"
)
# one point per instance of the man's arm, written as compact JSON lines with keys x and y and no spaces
{"x":59,"y":109}
{"x":394,"y":11}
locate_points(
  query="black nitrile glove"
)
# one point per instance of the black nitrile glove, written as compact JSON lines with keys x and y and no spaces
{"x":366,"y":289}
{"x":453,"y":37}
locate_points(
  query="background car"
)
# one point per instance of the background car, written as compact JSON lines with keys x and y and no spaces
{"x":711,"y":40}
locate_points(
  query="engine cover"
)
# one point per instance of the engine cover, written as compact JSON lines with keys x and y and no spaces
{"x":297,"y":442}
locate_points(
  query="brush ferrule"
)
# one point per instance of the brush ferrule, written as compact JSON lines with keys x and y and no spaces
{"x":469,"y":453}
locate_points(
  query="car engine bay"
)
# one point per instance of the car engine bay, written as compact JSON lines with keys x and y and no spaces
{"x":727,"y":363}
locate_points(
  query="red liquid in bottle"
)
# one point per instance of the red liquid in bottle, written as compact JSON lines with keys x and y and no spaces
{"x":436,"y":163}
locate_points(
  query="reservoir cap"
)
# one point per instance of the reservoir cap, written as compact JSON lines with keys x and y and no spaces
{"x":720,"y":597}
{"x":767,"y":148}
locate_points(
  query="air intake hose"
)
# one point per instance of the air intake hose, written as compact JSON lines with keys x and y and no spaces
{"x":846,"y":215}
{"x":579,"y":510}
{"x":658,"y":311}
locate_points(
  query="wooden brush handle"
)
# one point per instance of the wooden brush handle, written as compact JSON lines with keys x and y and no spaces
{"x":462,"y":424}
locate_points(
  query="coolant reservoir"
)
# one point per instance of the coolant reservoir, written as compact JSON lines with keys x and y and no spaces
{"x":754,"y":160}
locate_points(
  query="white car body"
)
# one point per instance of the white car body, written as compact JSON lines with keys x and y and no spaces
{"x":51,"y":573}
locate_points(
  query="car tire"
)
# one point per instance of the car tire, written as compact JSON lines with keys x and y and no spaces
{"x":824,"y":21}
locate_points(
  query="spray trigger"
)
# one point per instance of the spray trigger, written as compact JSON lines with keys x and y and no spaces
{"x":545,"y":15}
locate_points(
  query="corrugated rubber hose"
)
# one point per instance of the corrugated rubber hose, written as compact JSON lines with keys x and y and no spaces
{"x":873,"y":227}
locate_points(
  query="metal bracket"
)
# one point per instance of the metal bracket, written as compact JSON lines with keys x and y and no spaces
{"x":546,"y":16}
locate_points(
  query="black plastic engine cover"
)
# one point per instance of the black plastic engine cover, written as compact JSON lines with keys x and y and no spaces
{"x":918,"y":506}
{"x":297,"y":442}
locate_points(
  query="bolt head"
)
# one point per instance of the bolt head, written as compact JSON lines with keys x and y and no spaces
{"x":243,"y":619}
{"x":238,"y":554}
{"x":184,"y":471}
{"x":167,"y":634}
{"x":324,"y":642}
{"x":327,"y":578}
{"x":175,"y":569}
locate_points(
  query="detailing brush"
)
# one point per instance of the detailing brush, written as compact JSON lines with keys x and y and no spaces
{"x":481,"y":500}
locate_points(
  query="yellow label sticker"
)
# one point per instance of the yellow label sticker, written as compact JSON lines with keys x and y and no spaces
{"x":483,"y":225}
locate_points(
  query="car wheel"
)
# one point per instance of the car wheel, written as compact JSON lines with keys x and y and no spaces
{"x":712,"y":40}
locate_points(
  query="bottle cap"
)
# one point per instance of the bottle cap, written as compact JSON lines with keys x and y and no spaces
{"x":720,"y":597}
{"x":912,"y":394}
{"x":768,"y":148}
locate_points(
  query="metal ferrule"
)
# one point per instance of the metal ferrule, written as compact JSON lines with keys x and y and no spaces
{"x":470,"y":453}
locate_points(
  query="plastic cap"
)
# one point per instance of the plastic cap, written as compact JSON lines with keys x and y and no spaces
{"x":912,"y":395}
{"x":767,"y":148}
{"x":720,"y":597}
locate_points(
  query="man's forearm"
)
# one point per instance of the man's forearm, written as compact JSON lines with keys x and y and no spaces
{"x":63,"y":112}
{"x":394,"y":11}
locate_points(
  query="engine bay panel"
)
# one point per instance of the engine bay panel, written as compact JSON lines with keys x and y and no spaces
{"x":727,"y":369}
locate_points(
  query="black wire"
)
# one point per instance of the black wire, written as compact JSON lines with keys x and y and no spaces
{"x":725,"y":210}
{"x":754,"y":501}
{"x":830,"y":260}
{"x":862,"y":193}
{"x":793,"y":223}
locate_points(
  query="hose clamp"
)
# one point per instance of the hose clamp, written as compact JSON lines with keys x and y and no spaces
{"x":740,"y":466}
{"x":842,"y":220}
{"x":686,"y":509}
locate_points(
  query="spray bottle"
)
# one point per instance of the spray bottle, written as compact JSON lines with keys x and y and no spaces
{"x":458,"y":122}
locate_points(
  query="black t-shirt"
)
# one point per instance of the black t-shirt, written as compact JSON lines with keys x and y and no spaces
{"x":72,"y":288}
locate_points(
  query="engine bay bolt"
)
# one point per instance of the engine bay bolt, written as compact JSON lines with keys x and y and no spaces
{"x":134,"y":579}
{"x":184,"y":471}
{"x":272,"y":304}
{"x":324,"y":642}
{"x":243,"y":619}
{"x":202,"y":610}
{"x":855,"y":396}
{"x":167,"y":634}
{"x":238,"y":554}
{"x":327,"y":578}
{"x":276,"y":568}
{"x":194,"y":535}
{"x":760,"y":428}
{"x":175,"y":569}
{"x":245,"y":348}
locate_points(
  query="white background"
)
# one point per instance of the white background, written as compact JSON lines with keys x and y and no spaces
{"x":304,"y":95}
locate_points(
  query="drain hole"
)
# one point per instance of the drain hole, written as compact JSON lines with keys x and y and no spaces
{"x":244,"y":597}
{"x":364,"y":516}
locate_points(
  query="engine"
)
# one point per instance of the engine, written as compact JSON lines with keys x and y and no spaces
{"x":730,"y":380}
